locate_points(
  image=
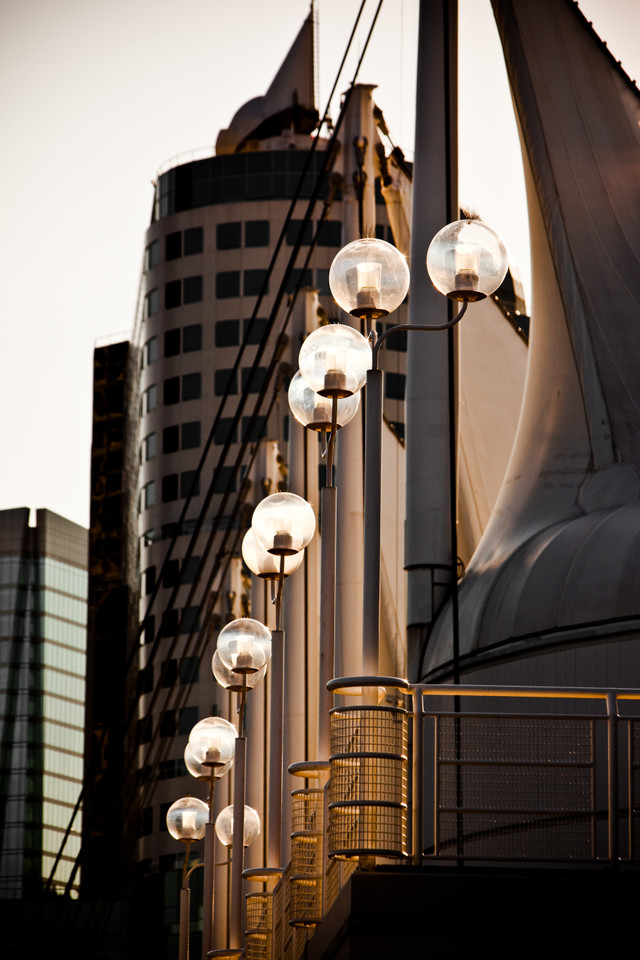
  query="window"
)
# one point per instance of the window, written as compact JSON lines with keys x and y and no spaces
{"x":190,"y":435}
{"x":149,"y":580}
{"x":188,"y":720}
{"x":190,"y":619}
{"x":146,"y":821}
{"x":189,"y":670}
{"x":172,"y":294}
{"x":170,"y":623}
{"x":170,"y":439}
{"x":168,"y":673}
{"x":228,"y":284}
{"x":189,"y":484}
{"x":192,"y":289}
{"x":193,"y":241}
{"x":150,"y":351}
{"x":256,"y":233}
{"x":225,"y":481}
{"x":252,"y":281}
{"x":191,"y":386}
{"x":149,"y":494}
{"x":299,"y":278}
{"x":152,"y":302}
{"x":228,"y":236}
{"x":170,"y":573}
{"x":329,"y":233}
{"x":253,"y":433}
{"x":171,"y":392}
{"x":168,"y":724}
{"x":150,"y":446}
{"x":394,"y":386}
{"x":225,"y":431}
{"x":170,"y":488}
{"x":225,"y":381}
{"x":153,"y":254}
{"x":322,"y":283}
{"x":227,"y":333}
{"x":190,"y":569}
{"x":253,"y":381}
{"x":398,"y":341}
{"x":173,"y":246}
{"x":145,"y":680}
{"x":192,"y":338}
{"x":172,"y":342}
{"x":256,"y":331}
{"x":149,"y":631}
{"x":293,"y":232}
{"x":151,"y":398}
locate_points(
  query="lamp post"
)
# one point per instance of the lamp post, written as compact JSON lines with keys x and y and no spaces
{"x":186,"y":821}
{"x":212,"y":745}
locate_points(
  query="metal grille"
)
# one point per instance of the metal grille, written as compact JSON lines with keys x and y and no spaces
{"x":368,"y":785}
{"x":259,"y":931}
{"x":515,"y":787}
{"x":306,"y":857}
{"x":634,"y":799}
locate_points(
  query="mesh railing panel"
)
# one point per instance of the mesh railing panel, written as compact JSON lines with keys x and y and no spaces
{"x":368,"y":785}
{"x":258,"y":926}
{"x":634,"y":800}
{"x":516,"y":787}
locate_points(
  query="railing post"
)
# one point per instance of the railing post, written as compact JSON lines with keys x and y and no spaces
{"x":417,"y":777}
{"x":612,"y":757}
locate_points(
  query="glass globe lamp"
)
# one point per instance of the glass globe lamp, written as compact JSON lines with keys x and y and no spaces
{"x":314,"y":411}
{"x":467,"y":260}
{"x":213,"y":742}
{"x":244,"y":645}
{"x":264,"y":564}
{"x":224,"y":826}
{"x":283,"y":523}
{"x":334,"y":360}
{"x":231,"y":680}
{"x":369,"y":278}
{"x":201,"y":772}
{"x":187,"y":819}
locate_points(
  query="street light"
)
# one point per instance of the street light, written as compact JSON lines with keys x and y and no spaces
{"x":250,"y":828}
{"x":186,"y":821}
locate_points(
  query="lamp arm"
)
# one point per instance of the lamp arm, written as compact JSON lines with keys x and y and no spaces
{"x":414,"y":326}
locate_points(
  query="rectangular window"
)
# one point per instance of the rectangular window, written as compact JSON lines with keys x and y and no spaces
{"x":330,"y":233}
{"x":189,"y":670}
{"x":228,"y":284}
{"x":322,"y":283}
{"x":189,"y":484}
{"x":192,"y":338}
{"x":225,"y":381}
{"x":256,"y":431}
{"x":170,"y":439}
{"x":225,"y":431}
{"x":296,"y":233}
{"x":153,"y":254}
{"x":193,"y":241}
{"x":252,"y":281}
{"x":172,"y":342}
{"x":149,"y":494}
{"x":168,"y":673}
{"x":188,"y":720}
{"x":171,"y":392}
{"x":192,"y":289}
{"x":191,"y":386}
{"x":394,"y":386}
{"x":190,"y":569}
{"x":224,"y":481}
{"x":298,"y":278}
{"x":190,"y":619}
{"x":151,"y":394}
{"x":253,"y":381}
{"x":152,"y":302}
{"x":170,"y":488}
{"x":170,"y":573}
{"x":170,"y":623}
{"x":150,"y":446}
{"x":151,"y":351}
{"x":149,"y":580}
{"x":149,"y":631}
{"x":168,"y":724}
{"x":173,"y":246}
{"x":190,"y":435}
{"x":227,"y":333}
{"x":256,"y":233}
{"x":229,"y":236}
{"x":255,"y":331}
{"x":172,"y":294}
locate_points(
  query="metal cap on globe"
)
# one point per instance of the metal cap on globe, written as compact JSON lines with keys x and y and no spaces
{"x":187,"y":819}
{"x":334,"y":360}
{"x":369,"y":278}
{"x":224,"y":825}
{"x":283,"y":523}
{"x":314,"y":411}
{"x":244,"y":645}
{"x":467,"y":260}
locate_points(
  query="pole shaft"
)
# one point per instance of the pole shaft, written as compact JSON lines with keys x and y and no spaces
{"x":274,"y":819}
{"x":328,"y":508}
{"x":237,"y":859}
{"x":185,"y":902}
{"x":372,"y":501}
{"x":207,"y":900}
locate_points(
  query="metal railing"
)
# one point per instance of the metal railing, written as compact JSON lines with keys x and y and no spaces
{"x":491,"y":774}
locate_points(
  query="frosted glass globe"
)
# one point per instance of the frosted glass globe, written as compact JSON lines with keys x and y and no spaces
{"x":314,"y":411}
{"x":200,"y":771}
{"x":369,"y":278}
{"x":187,"y":819}
{"x":283,"y":523}
{"x":264,"y":564}
{"x":213,"y":741}
{"x":231,"y":680}
{"x":244,"y":645}
{"x":224,"y":826}
{"x":467,"y":260}
{"x":334,"y":360}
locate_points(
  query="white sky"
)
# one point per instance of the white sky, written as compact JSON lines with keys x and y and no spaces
{"x":96,"y":96}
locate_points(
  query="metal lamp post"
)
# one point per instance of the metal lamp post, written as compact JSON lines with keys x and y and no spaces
{"x":186,"y":821}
